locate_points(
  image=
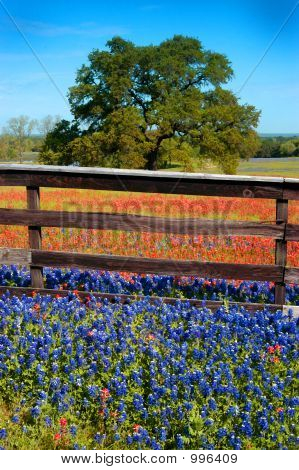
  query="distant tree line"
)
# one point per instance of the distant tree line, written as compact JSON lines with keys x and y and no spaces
{"x":52,"y":136}
{"x":23,"y":134}
{"x":278,"y":147}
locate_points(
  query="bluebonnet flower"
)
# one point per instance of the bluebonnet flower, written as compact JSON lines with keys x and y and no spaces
{"x":209,"y":422}
{"x":99,"y":437}
{"x":121,"y":405}
{"x":233,"y":411}
{"x":43,"y":395}
{"x":129,"y":439}
{"x":188,"y":406}
{"x":180,"y":412}
{"x":162,"y":434}
{"x":246,"y":428}
{"x":179,"y":441}
{"x":73,"y":430}
{"x":212,"y":404}
{"x":55,"y":383}
{"x":173,"y":377}
{"x":93,"y":391}
{"x":235,"y":441}
{"x":263,"y":423}
{"x":155,"y":445}
{"x":144,"y":413}
{"x":55,"y":367}
{"x":222,"y":432}
{"x":122,"y":417}
{"x":150,"y":285}
{"x":35,"y":411}
{"x":291,"y":412}
{"x":248,"y":405}
{"x":137,"y":401}
{"x":48,"y":421}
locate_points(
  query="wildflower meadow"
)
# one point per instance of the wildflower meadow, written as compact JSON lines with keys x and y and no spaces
{"x":87,"y":373}
{"x":97,"y":375}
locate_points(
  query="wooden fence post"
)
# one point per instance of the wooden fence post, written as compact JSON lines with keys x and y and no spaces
{"x":281,"y":249}
{"x":35,"y":236}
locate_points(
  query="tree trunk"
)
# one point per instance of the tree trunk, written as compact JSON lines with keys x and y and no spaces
{"x":152,"y":161}
{"x":20,"y":153}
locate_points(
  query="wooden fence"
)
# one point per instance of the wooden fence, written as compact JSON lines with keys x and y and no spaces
{"x":34,"y":177}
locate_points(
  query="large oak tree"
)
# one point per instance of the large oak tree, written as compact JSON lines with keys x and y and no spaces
{"x":141,"y":106}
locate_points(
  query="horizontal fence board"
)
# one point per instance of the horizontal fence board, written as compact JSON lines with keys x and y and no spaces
{"x":292,"y":232}
{"x":149,"y":181}
{"x":158,"y":266}
{"x":292,"y":275}
{"x":291,"y":189}
{"x":102,"y":172}
{"x":126,"y":298}
{"x":291,"y":194}
{"x":15,"y":256}
{"x":138,"y":223}
{"x":144,"y":265}
{"x":149,"y":185}
{"x":141,"y":181}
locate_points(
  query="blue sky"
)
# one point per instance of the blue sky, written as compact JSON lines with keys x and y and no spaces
{"x":62,"y":33}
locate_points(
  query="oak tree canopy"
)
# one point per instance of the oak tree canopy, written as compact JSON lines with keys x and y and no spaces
{"x":145,"y":106}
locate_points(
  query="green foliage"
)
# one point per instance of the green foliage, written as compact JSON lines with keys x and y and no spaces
{"x":144,"y":106}
{"x":290,"y":148}
{"x":8,"y":150}
{"x":19,"y":129}
{"x":55,"y":149}
{"x":47,"y":124}
{"x":269,"y":148}
{"x":18,"y":143}
{"x":120,"y":143}
{"x":278,"y":147}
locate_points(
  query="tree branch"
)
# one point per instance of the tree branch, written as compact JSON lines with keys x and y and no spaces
{"x":140,"y":102}
{"x":165,"y":136}
{"x":192,"y":82}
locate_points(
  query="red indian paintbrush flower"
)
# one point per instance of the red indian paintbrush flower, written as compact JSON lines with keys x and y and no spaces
{"x":104,"y":394}
{"x":63,"y":422}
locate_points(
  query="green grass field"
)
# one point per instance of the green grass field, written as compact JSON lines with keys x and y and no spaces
{"x":287,"y":167}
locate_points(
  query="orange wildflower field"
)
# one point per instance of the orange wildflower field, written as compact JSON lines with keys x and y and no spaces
{"x":157,"y":245}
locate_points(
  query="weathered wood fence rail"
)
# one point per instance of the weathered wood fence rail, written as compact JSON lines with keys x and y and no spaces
{"x":34,"y":177}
